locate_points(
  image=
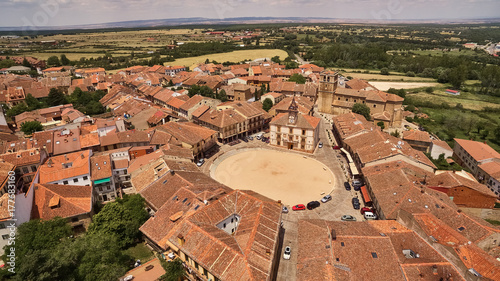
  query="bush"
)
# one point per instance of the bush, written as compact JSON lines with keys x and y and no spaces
{"x":410,"y":74}
{"x":384,"y":71}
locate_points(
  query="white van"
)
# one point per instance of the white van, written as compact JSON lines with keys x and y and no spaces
{"x":370,"y":216}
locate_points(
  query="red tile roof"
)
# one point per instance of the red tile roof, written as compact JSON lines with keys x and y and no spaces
{"x":65,"y":201}
{"x":478,"y":150}
{"x":79,"y":166}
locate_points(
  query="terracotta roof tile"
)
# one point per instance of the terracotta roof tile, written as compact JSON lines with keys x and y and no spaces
{"x":79,"y":166}
{"x":53,"y":200}
{"x":478,"y":150}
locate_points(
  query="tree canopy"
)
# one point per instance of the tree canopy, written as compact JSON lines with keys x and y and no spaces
{"x":297,"y":78}
{"x":362,"y":109}
{"x":56,"y":97}
{"x":121,"y":218}
{"x":30,"y":127}
{"x":53,"y":61}
{"x":267,"y":104}
{"x":45,"y":250}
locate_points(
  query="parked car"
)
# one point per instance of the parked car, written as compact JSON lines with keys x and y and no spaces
{"x":299,"y":207}
{"x":259,"y":137}
{"x":357,"y":184}
{"x":284,"y":210}
{"x":320,"y":145}
{"x":355,"y":203}
{"x":370,"y":216}
{"x":287,"y":253}
{"x":336,"y":147}
{"x":348,"y":218}
{"x":366,"y":209}
{"x":347,"y":186}
{"x":250,"y":138}
{"x":326,"y":198}
{"x":312,"y":205}
{"x":245,"y":139}
{"x":200,"y":162}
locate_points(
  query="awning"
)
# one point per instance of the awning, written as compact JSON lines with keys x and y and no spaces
{"x":347,"y":154}
{"x":354,"y":169}
{"x":102,"y":181}
{"x":364,"y":193}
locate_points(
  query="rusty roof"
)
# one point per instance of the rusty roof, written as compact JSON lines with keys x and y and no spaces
{"x":65,"y":201}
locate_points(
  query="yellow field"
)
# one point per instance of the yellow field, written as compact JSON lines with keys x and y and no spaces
{"x":235,"y":56}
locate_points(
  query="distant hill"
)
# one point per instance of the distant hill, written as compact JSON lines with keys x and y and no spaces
{"x":241,"y":20}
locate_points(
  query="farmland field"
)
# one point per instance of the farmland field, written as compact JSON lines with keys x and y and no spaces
{"x":235,"y":56}
{"x":380,"y":77}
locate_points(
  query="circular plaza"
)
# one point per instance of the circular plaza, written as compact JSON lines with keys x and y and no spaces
{"x":290,"y":177}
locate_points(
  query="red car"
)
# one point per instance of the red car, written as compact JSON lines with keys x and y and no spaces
{"x":366,"y":209}
{"x":336,"y":147}
{"x":299,"y":207}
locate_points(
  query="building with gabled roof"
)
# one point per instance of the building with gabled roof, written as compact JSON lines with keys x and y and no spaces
{"x":192,"y":136}
{"x":369,"y":250}
{"x":71,"y":202}
{"x":419,"y":140}
{"x":68,"y":169}
{"x":466,"y":192}
{"x":101,"y":174}
{"x":244,"y":228}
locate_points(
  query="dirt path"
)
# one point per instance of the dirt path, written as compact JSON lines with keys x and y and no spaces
{"x":384,"y":86}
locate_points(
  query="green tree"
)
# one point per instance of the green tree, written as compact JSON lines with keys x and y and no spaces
{"x":174,"y":270}
{"x":381,"y":125}
{"x":222,"y":96}
{"x":384,"y":71}
{"x":32,"y":102}
{"x":26,"y":63}
{"x":362,"y":109}
{"x":204,"y":91}
{"x":121,"y":218}
{"x":457,"y":76}
{"x":16,"y":110}
{"x":64,"y":60}
{"x":263,"y":89}
{"x":297,"y":78}
{"x":276,"y":59}
{"x":429,"y":90}
{"x":267,"y":104}
{"x":7,"y":63}
{"x":53,"y":61}
{"x":56,"y":97}
{"x":395,"y":134}
{"x":30,"y":127}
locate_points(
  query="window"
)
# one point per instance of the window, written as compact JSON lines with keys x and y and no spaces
{"x":33,"y":168}
{"x":5,"y":236}
{"x":65,"y":182}
{"x":2,"y":226}
{"x":75,"y":180}
{"x":374,"y":105}
{"x":374,"y":255}
{"x":74,"y":219}
{"x":85,"y":178}
{"x":224,"y":225}
{"x":25,"y":170}
{"x":109,"y":187}
{"x":100,"y":188}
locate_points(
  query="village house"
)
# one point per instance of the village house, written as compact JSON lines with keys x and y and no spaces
{"x":173,"y":70}
{"x":102,"y":177}
{"x":417,"y":139}
{"x":26,"y":162}
{"x":88,"y":72}
{"x":224,"y":222}
{"x":71,"y":202}
{"x":194,"y":137}
{"x":68,"y":169}
{"x":368,"y":250}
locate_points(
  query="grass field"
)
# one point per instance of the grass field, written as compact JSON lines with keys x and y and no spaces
{"x":467,"y":99}
{"x":392,"y":77}
{"x":140,"y":252}
{"x":235,"y":56}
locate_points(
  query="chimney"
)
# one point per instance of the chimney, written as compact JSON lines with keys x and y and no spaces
{"x":181,"y":240}
{"x":268,"y":252}
{"x":434,"y":269}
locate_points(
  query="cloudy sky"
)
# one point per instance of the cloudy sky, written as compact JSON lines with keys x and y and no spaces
{"x":75,"y":12}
